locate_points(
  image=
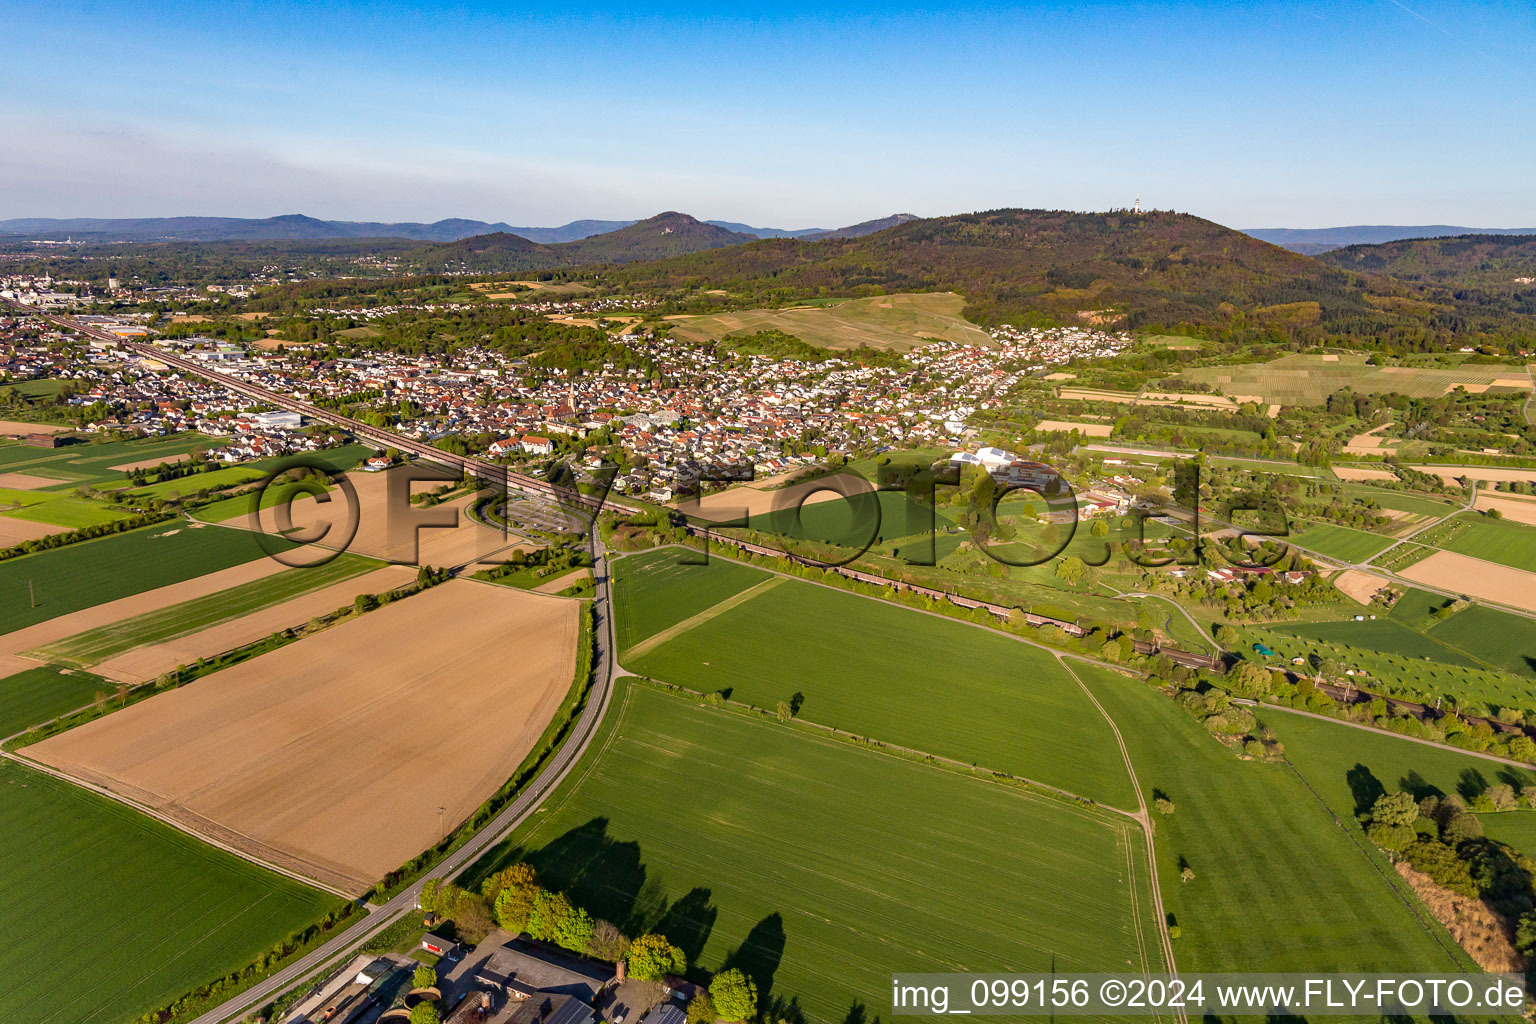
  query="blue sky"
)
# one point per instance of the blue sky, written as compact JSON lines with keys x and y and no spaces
{"x":1284,"y":114}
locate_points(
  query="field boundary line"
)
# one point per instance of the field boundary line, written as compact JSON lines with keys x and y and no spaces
{"x":1396,"y":735}
{"x":875,"y":746}
{"x":144,"y":809}
{"x":654,"y":641}
{"x":1146,"y":826}
{"x":1413,"y":907}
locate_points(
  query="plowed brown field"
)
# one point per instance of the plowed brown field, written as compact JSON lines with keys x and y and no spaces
{"x":331,"y":761}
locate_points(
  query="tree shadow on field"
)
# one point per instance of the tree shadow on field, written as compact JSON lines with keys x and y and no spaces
{"x":599,"y":873}
{"x":1366,"y":787}
{"x":758,"y":958}
{"x":688,"y":922}
{"x":1471,"y":783}
{"x":858,"y":1013}
{"x":1419,"y":786}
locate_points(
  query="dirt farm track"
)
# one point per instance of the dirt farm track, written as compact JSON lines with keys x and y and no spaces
{"x":327,"y":762}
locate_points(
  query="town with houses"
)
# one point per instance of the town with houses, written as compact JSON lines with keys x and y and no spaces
{"x":691,"y":407}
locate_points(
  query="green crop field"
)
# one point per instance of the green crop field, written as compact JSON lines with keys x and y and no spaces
{"x":816,"y":866}
{"x":58,"y":508}
{"x":1278,"y":885}
{"x":1499,"y":638}
{"x":82,"y":575}
{"x":104,"y":642}
{"x":1494,"y":540}
{"x":893,"y":674}
{"x":38,"y":695}
{"x":92,"y":463}
{"x":110,"y":913}
{"x":900,"y":322}
{"x":883,"y":520}
{"x":1310,"y":379}
{"x":42,"y":387}
{"x":1338,"y":542}
{"x":1380,"y":635}
{"x":658,"y":591}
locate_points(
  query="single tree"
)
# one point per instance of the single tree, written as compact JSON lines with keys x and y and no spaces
{"x":734,"y":995}
{"x":425,"y":977}
{"x":608,"y":943}
{"x":652,"y":958}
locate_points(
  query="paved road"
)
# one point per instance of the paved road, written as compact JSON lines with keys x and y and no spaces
{"x":510,"y":818}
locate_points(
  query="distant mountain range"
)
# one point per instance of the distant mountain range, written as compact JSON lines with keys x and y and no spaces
{"x":658,"y":237}
{"x":298,"y":227}
{"x":1311,"y":241}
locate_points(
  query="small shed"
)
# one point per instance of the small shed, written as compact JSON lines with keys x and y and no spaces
{"x":439,"y":946}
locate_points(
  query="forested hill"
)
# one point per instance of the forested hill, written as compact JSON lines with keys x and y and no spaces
{"x":666,"y":234}
{"x":1493,"y":270}
{"x":1151,"y":270}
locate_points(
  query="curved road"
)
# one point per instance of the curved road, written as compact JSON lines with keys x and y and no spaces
{"x":379,"y":918}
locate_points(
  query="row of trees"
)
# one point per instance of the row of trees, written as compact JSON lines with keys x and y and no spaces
{"x":515,"y":900}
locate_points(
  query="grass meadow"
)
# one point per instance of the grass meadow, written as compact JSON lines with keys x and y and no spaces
{"x":818,"y":867}
{"x":1278,"y":885}
{"x":901,"y":321}
{"x":890,"y":673}
{"x":113,"y":913}
{"x":1310,"y":379}
{"x":93,"y":572}
{"x":1350,"y":767}
{"x":1384,"y":634}
{"x":97,"y":645}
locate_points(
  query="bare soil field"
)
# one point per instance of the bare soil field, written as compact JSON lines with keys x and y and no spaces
{"x":62,"y":626}
{"x":14,"y":531}
{"x":1098,"y":395}
{"x":757,"y":499}
{"x":1359,"y":586}
{"x":323,"y":759}
{"x":392,"y":539}
{"x":27,"y":482}
{"x":1370,"y":442}
{"x":1520,"y":510}
{"x":1086,"y":429}
{"x":1060,"y":375}
{"x":169,"y":460}
{"x":1363,"y":473}
{"x":1489,"y":474}
{"x":17,"y":427}
{"x":146,"y":663}
{"x":1463,"y":574}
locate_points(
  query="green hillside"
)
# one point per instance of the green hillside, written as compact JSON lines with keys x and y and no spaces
{"x":1117,"y":269}
{"x":1488,"y":267}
